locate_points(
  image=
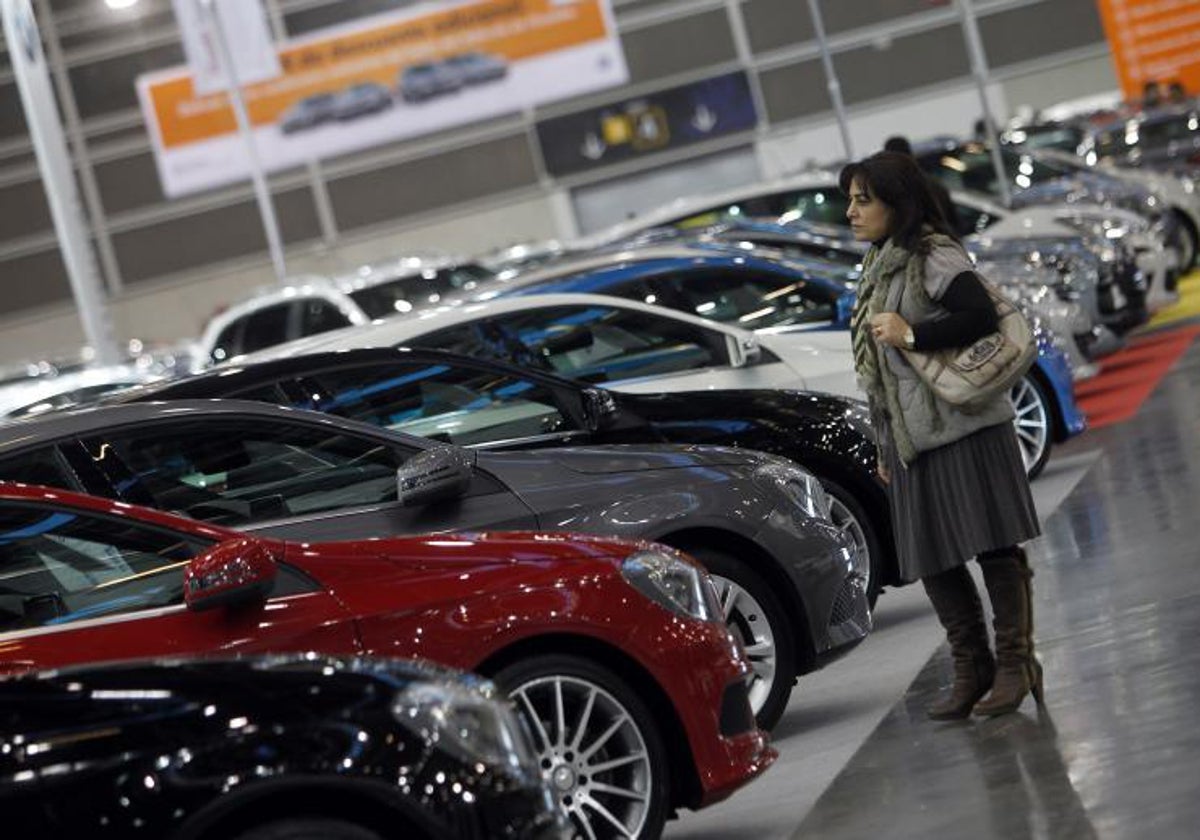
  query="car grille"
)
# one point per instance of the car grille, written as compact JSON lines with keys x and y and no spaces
{"x":844,"y":603}
{"x":736,"y":714}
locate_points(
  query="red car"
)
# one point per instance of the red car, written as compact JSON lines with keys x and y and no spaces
{"x":616,"y":652}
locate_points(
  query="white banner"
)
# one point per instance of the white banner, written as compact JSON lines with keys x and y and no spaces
{"x":245,"y":25}
{"x":382,"y":79}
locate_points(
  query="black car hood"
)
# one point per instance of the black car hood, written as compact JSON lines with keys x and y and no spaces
{"x":742,"y":408}
{"x":607,"y":460}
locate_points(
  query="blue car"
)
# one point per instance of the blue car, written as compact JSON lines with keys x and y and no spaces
{"x":754,"y":288}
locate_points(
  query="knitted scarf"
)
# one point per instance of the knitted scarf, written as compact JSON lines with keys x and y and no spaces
{"x":881,"y":266}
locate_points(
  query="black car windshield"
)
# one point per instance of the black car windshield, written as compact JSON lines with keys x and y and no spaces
{"x":970,"y":168}
{"x":407,"y":292}
{"x":1063,"y":137}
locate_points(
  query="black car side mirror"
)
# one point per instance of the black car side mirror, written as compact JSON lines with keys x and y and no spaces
{"x":435,"y":475}
{"x":599,"y":408}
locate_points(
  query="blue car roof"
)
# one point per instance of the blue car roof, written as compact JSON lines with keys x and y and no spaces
{"x":597,"y":280}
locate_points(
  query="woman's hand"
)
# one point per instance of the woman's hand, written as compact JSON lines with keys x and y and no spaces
{"x":889,"y":328}
{"x":885,"y":475}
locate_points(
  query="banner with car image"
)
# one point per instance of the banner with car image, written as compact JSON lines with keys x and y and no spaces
{"x":384,"y":78}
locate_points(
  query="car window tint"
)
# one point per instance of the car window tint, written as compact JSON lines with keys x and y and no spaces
{"x":1065,"y":138}
{"x":458,"y":405}
{"x":482,"y":339}
{"x":59,"y":565}
{"x":242,"y":471}
{"x":272,"y":393}
{"x":318,"y":315}
{"x":827,"y":205}
{"x":767,"y":206}
{"x":229,"y":341}
{"x":410,"y":291}
{"x":45,"y":467}
{"x":605,"y":344}
{"x":266,"y":328}
{"x":971,"y":220}
{"x":639,"y":289}
{"x":1163,"y":131}
{"x":753,"y":299}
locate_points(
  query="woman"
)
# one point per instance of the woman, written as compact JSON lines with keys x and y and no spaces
{"x":956,"y":482}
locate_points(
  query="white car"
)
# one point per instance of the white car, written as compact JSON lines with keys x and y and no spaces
{"x":621,"y":344}
{"x":308,"y":306}
{"x":313,"y":305}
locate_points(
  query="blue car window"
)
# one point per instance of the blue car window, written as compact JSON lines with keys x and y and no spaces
{"x":59,"y":565}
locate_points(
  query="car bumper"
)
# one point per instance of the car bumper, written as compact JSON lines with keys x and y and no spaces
{"x":1160,"y":265}
{"x":821,"y":563}
{"x":1056,"y":372}
{"x":701,"y":667}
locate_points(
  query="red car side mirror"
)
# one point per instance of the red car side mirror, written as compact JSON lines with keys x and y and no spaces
{"x":234,"y":572}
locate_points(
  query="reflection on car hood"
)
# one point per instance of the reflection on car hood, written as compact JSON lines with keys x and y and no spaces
{"x":1084,"y":186}
{"x":634,"y":458}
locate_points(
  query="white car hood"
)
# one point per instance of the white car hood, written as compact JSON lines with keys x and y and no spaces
{"x":823,"y":358}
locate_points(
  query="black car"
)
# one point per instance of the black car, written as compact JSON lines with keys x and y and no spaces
{"x":1161,"y":138}
{"x":475,"y":402}
{"x":1164,"y":138}
{"x":270,"y":748}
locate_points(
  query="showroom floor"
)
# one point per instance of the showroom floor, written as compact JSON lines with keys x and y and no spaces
{"x":1117,"y":590}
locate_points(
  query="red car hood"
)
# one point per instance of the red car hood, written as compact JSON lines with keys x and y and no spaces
{"x":461,"y":551}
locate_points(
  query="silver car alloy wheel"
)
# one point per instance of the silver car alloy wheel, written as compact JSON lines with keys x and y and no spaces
{"x":1032,"y":422}
{"x":748,"y":621}
{"x":592,"y":754}
{"x":845,"y":521}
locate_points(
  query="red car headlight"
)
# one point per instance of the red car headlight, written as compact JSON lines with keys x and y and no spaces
{"x":670,"y":581}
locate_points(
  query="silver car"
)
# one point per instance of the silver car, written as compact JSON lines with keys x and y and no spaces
{"x":420,"y":82}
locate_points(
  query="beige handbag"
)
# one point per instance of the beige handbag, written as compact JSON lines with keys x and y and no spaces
{"x":971,"y":377}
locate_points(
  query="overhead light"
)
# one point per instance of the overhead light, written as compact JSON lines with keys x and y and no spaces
{"x":120,"y":4}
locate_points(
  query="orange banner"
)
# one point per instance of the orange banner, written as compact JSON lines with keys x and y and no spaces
{"x":508,"y":29}
{"x":1154,"y":41}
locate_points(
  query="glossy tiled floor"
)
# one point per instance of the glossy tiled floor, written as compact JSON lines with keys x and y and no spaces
{"x":1116,"y":752}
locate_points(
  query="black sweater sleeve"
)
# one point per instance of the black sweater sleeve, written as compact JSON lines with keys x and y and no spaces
{"x":972,"y":316}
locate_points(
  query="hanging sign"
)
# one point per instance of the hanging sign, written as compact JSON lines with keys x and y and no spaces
{"x":1154,"y":41}
{"x":385,"y":78}
{"x":631,"y":128}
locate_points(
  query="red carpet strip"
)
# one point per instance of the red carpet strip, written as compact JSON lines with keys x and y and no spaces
{"x":1128,"y":377}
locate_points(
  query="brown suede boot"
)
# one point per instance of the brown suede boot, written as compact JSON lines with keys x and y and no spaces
{"x":956,"y":602}
{"x":1018,"y":672}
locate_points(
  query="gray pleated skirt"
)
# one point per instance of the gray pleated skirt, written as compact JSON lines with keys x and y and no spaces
{"x":960,"y":500}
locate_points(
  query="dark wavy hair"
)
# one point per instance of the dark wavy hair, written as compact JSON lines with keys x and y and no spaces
{"x":897,"y":181}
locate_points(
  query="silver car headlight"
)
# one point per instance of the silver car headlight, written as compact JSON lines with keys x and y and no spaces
{"x":673,"y":583}
{"x":801,"y":488}
{"x":471,"y":725}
